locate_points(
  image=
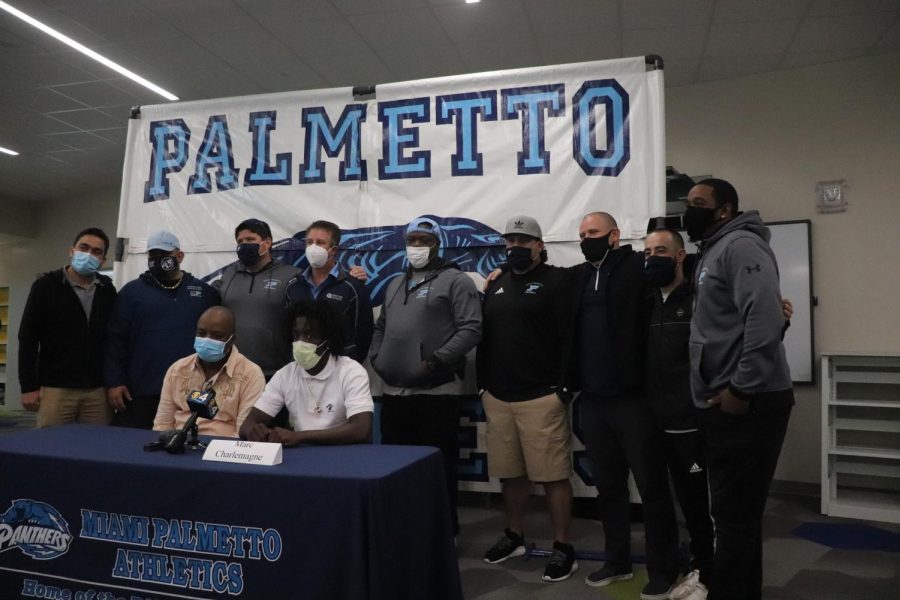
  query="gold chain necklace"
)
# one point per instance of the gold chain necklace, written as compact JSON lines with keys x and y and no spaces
{"x":169,"y":287}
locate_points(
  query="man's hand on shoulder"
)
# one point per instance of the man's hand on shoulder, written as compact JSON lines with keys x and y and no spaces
{"x":31,"y":400}
{"x":787,"y":308}
{"x":116,"y":396}
{"x":491,"y":276}
{"x":358,"y":272}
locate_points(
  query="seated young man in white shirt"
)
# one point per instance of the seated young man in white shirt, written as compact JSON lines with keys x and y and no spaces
{"x":326,"y":394}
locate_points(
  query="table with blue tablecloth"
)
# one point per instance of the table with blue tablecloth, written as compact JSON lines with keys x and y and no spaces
{"x":86,"y":514}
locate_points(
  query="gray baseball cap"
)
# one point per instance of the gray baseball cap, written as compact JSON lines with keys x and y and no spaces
{"x":523,"y":225}
{"x":163,"y":240}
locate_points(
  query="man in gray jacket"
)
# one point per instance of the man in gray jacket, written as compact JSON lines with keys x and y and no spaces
{"x":430,"y":320}
{"x":254,"y":289}
{"x":739,"y":376}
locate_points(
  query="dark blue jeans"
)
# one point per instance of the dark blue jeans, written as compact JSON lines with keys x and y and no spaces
{"x":742,"y":453}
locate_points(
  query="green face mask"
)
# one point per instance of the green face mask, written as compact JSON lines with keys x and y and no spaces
{"x":306,"y":354}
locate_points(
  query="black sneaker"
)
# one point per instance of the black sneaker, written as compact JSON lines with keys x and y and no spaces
{"x":562,"y":563}
{"x":606,"y":576}
{"x":510,"y":545}
{"x":656,"y":590}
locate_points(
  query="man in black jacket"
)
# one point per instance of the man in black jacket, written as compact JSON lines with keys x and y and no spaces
{"x":669,"y":395}
{"x":520,"y":368}
{"x":61,"y":338}
{"x":608,"y":366}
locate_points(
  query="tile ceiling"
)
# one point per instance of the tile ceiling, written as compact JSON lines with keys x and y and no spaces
{"x":67,"y":115}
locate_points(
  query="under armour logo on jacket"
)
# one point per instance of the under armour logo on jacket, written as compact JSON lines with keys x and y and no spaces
{"x":750,"y":270}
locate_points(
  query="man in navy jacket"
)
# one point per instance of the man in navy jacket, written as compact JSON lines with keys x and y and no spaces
{"x":325,"y":280}
{"x":153,"y":325}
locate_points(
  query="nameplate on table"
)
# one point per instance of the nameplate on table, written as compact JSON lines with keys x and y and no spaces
{"x":245,"y":453}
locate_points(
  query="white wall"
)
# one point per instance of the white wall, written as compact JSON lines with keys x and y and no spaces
{"x":774,"y":136}
{"x":44,"y":247}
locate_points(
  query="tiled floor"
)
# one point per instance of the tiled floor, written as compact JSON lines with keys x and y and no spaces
{"x":794,"y":568}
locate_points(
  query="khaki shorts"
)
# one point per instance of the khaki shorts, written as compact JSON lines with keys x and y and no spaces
{"x":530,"y":438}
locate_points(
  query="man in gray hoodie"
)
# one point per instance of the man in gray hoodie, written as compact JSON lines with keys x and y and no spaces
{"x":739,"y":376}
{"x":430,"y":320}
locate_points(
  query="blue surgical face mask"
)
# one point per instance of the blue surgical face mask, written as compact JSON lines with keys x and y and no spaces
{"x":210,"y":350}
{"x":85,"y":263}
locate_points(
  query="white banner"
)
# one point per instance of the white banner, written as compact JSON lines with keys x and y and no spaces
{"x":471,"y":151}
{"x":552,"y":142}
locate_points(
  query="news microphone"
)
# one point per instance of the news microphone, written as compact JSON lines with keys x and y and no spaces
{"x":202,"y":404}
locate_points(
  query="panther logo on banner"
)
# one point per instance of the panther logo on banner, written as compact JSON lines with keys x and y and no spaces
{"x":35,"y":528}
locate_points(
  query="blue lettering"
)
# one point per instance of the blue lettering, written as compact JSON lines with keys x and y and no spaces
{"x":396,"y":139}
{"x":160,"y":532}
{"x":261,"y":172}
{"x":465,"y":109}
{"x":614,"y":99}
{"x":321,"y":135}
{"x":163,"y":160}
{"x":531,"y":103}
{"x":271,"y":545}
{"x":215,"y":151}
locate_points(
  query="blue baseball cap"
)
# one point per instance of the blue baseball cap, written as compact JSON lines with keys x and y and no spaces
{"x":163,"y":240}
{"x":424,"y":225}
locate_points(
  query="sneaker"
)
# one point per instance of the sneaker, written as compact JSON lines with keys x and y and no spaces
{"x":656,"y":590}
{"x":698,"y":593}
{"x":510,"y":545}
{"x":562,"y":563}
{"x":685,"y":586}
{"x":606,"y":576}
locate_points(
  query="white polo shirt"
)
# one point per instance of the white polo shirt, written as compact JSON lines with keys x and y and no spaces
{"x":321,"y":401}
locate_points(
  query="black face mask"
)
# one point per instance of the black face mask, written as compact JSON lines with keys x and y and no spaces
{"x":248,"y":254}
{"x":659,"y":270}
{"x":697,"y":220}
{"x":595,"y":249}
{"x":519,"y":258}
{"x":162,"y":267}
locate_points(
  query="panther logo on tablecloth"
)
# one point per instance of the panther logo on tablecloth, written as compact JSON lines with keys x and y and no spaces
{"x":35,"y":528}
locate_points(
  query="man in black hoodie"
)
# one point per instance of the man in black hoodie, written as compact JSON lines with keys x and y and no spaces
{"x":61,"y":337}
{"x":616,"y":423}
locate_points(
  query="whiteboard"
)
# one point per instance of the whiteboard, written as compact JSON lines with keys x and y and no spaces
{"x":792,"y":244}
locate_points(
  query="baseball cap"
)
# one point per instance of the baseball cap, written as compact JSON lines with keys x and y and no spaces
{"x":523,"y":225}
{"x":424,"y":225}
{"x":260,"y":228}
{"x":163,"y":240}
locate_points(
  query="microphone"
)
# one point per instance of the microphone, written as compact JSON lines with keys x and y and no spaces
{"x":202,"y":404}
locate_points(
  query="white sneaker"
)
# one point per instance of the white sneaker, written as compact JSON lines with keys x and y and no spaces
{"x":699,"y":593}
{"x":686,"y":586}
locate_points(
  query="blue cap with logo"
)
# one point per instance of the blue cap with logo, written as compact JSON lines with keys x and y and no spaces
{"x":424,"y":225}
{"x":163,"y":240}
